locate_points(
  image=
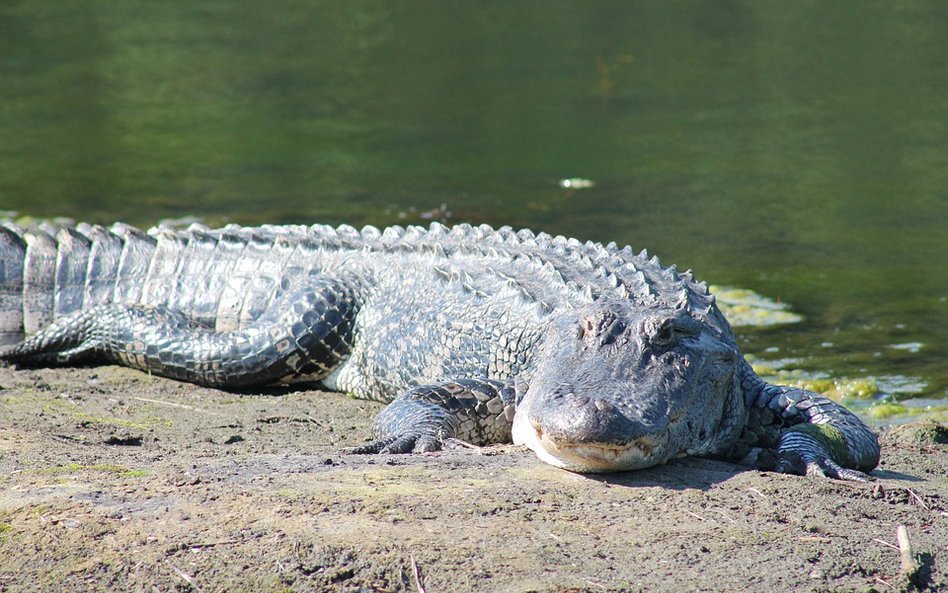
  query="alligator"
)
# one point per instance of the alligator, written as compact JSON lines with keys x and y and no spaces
{"x":597,"y":358}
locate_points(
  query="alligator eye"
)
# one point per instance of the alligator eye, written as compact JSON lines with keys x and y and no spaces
{"x":675,"y":328}
{"x":665,"y":333}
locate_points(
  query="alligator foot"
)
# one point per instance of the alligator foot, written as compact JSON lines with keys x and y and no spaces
{"x":805,"y":451}
{"x":415,"y":442}
{"x":479,"y":411}
{"x":791,"y":462}
{"x":816,"y":436}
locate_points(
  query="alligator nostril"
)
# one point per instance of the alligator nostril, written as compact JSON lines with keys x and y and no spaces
{"x":581,"y":400}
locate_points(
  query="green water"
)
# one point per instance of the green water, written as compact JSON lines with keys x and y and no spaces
{"x":799,"y":149}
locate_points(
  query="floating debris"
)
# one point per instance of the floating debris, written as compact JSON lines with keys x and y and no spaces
{"x":901,"y":384}
{"x":885,"y":410}
{"x":839,"y":389}
{"x":441,"y":213}
{"x":180,"y":222}
{"x":887,"y":399}
{"x":577,"y":183}
{"x":913,"y":347}
{"x":744,"y":307}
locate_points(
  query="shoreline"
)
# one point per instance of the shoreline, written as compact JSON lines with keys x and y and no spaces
{"x":113,"y":480}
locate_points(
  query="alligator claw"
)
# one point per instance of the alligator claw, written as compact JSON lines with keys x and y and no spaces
{"x":790,"y":462}
{"x":406,"y":443}
{"x":828,"y":468}
{"x":373,"y":447}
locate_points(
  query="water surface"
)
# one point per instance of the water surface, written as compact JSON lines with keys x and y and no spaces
{"x":799,"y":149}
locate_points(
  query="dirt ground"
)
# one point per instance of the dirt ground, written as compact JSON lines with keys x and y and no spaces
{"x":112,"y":480}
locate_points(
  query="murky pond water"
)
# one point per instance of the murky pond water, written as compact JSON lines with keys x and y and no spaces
{"x":799,"y":150}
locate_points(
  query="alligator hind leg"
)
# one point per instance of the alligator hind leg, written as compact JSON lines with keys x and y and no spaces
{"x":305,"y":332}
{"x":479,"y":411}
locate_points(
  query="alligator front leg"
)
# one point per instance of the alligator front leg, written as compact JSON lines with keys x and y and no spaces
{"x":478,"y":411}
{"x":306,"y":331}
{"x":813,"y":434}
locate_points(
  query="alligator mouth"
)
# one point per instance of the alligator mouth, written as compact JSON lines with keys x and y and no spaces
{"x":585,"y":457}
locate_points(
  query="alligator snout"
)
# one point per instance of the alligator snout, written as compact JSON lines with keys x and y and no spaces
{"x":587,"y":420}
{"x":590,"y":433}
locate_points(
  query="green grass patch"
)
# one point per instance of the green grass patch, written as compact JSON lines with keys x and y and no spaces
{"x":33,"y":400}
{"x":884,"y":410}
{"x":111,"y":468}
{"x":744,"y":307}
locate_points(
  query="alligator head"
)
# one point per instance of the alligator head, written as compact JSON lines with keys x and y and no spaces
{"x":618,"y":386}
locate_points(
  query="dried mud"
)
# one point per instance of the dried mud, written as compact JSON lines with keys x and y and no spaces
{"x":112,"y":480}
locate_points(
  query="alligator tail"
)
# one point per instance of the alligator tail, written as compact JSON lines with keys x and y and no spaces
{"x":222,"y":279}
{"x":12,"y":255}
{"x":50,"y":271}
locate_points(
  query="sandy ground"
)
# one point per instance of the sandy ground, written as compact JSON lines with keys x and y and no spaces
{"x":112,"y":480}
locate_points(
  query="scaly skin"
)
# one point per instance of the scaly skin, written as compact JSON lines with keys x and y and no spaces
{"x":596,"y":358}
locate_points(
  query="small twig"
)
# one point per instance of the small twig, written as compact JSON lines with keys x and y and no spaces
{"x":212,"y":544}
{"x":723,"y":514}
{"x":319,"y":423}
{"x":67,"y":438}
{"x":595,"y":584}
{"x":184,"y":576}
{"x":419,"y":584}
{"x":909,"y":563}
{"x":296,"y":552}
{"x":454,"y":441}
{"x":696,"y":515}
{"x":175,"y":405}
{"x":465,"y":444}
{"x":918,"y":499}
{"x":885,"y":543}
{"x":757,"y":492}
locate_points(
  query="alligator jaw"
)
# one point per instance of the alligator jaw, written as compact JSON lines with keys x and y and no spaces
{"x":587,"y":457}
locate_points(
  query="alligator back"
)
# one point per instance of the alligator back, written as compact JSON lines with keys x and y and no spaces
{"x":225,"y":278}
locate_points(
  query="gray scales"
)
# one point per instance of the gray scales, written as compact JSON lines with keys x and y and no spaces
{"x":596,"y":358}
